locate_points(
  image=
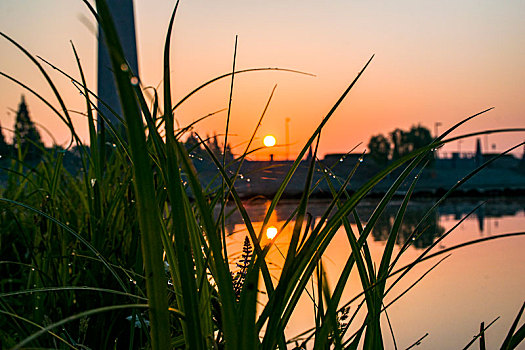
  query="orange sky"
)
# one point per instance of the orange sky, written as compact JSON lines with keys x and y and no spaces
{"x":435,"y":62}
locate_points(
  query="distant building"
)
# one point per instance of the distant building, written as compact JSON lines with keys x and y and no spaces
{"x":123,"y":16}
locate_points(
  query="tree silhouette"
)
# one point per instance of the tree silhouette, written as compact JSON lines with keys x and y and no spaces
{"x":405,"y":142}
{"x":379,"y":148}
{"x":4,"y":147}
{"x":27,"y":138}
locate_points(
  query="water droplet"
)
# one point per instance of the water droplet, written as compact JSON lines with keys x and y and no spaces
{"x":360,"y":159}
{"x":124,"y":67}
{"x":32,"y":269}
{"x":134,"y":81}
{"x":36,"y":307}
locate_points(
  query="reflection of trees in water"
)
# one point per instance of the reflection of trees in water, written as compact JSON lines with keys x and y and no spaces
{"x":426,"y":232}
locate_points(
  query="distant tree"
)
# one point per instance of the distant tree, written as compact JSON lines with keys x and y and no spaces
{"x":27,"y":137}
{"x":418,"y":137}
{"x":4,"y":147}
{"x":399,"y":147}
{"x":217,"y":149}
{"x":193,"y":145}
{"x":405,"y":142}
{"x":195,"y":148}
{"x":379,"y":148}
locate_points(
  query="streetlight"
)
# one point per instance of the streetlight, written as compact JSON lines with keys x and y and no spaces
{"x":287,"y":137}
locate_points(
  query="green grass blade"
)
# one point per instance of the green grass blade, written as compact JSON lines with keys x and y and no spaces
{"x":149,"y":220}
{"x":512,"y":340}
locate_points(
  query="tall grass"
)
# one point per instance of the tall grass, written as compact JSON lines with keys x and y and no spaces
{"x":130,"y":253}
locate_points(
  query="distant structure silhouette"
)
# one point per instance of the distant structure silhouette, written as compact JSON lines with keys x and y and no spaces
{"x":123,"y":16}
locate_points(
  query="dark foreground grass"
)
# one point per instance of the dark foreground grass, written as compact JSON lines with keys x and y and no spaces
{"x":130,"y":253}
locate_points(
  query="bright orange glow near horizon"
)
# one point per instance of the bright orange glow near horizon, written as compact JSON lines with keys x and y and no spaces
{"x":435,"y":62}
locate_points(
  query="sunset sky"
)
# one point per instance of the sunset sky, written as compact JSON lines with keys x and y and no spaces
{"x":435,"y":61}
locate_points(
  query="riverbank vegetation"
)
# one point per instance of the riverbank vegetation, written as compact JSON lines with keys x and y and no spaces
{"x":131,"y":252}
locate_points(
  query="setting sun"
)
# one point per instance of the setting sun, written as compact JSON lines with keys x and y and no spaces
{"x":271,"y":232}
{"x":269,"y":141}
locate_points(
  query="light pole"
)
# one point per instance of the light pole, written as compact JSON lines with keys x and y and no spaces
{"x":436,"y":126}
{"x":287,"y":137}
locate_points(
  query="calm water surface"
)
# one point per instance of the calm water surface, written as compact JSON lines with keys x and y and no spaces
{"x":476,"y":283}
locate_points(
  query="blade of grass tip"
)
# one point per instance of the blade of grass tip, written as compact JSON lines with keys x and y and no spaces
{"x":479,"y":334}
{"x":427,"y":250}
{"x":68,"y":120}
{"x":509,"y":338}
{"x":455,"y":247}
{"x":224,"y":199}
{"x":83,"y":88}
{"x":415,"y":283}
{"x":236,"y":72}
{"x":81,"y":288}
{"x":482,"y":344}
{"x":93,"y":140}
{"x":391,"y":330}
{"x":115,"y":134}
{"x":245,"y":153}
{"x":80,"y":315}
{"x":198,"y":120}
{"x":15,"y":316}
{"x":517,"y":338}
{"x":149,"y":220}
{"x":298,"y":160}
{"x":417,"y":342}
{"x":46,"y":102}
{"x":75,"y":234}
{"x":192,"y":327}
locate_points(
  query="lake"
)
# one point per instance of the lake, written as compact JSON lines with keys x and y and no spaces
{"x":474,"y":284}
